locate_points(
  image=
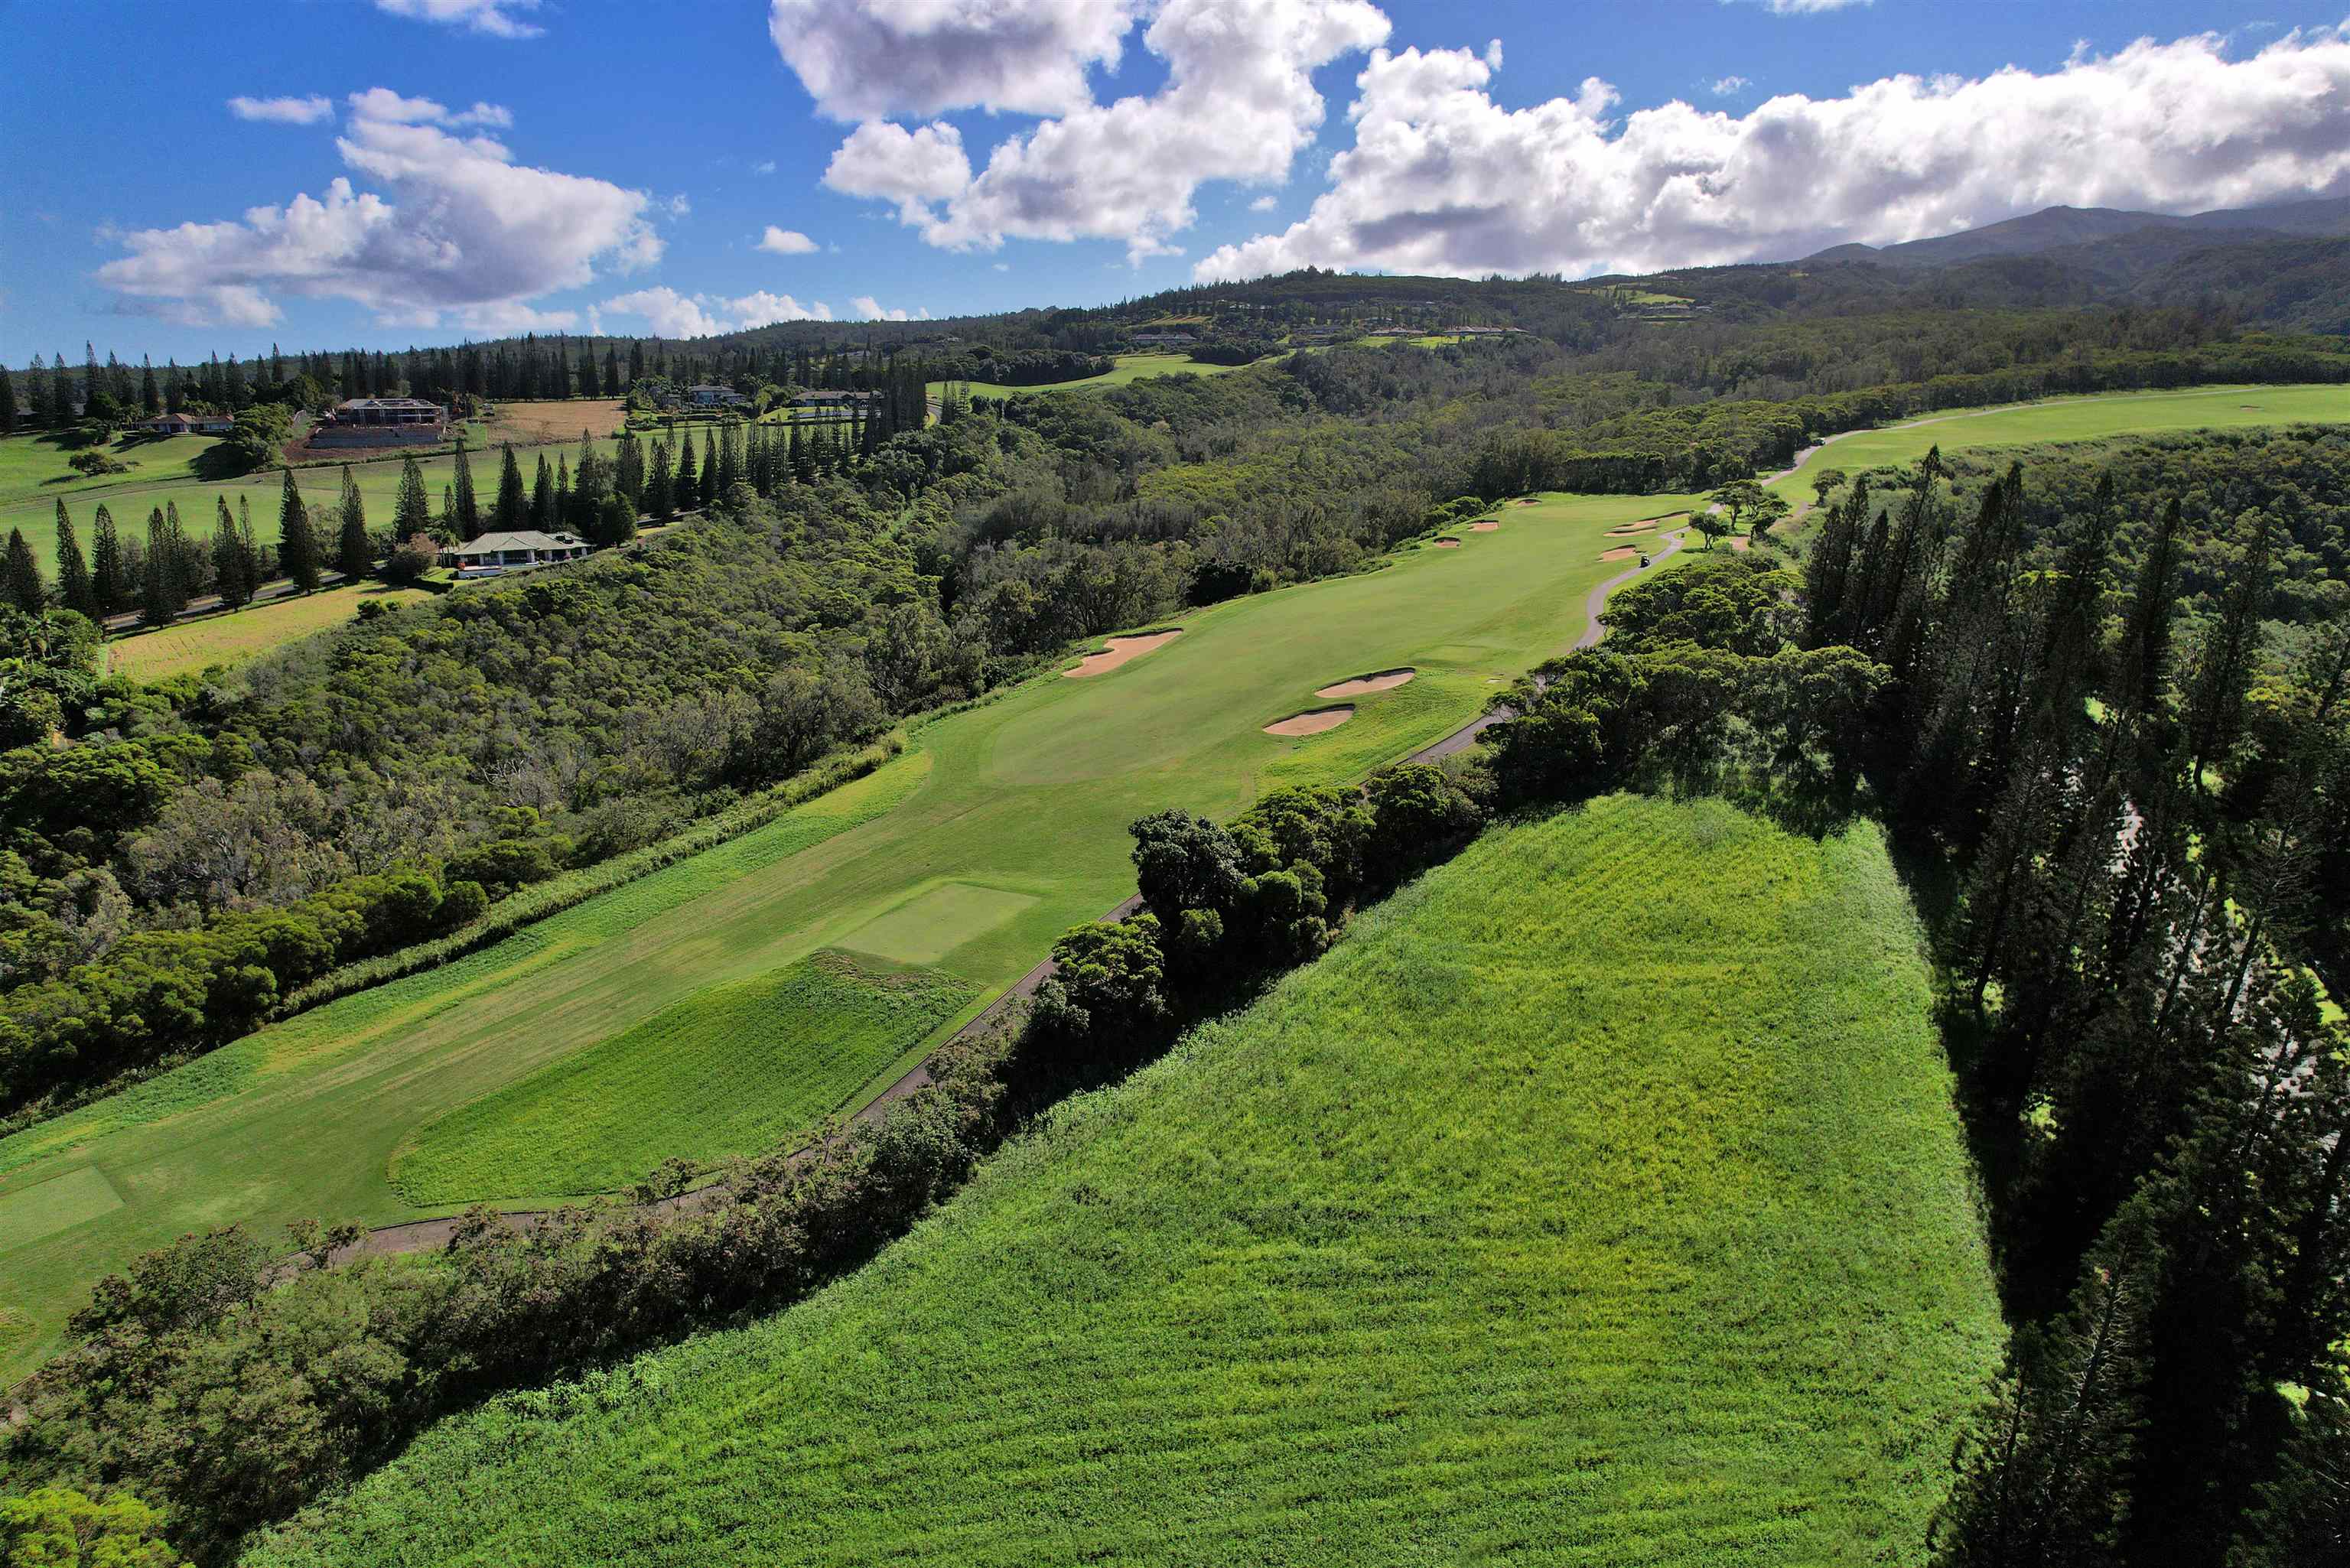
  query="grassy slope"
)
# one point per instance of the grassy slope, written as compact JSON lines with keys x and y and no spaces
{"x":191,"y":647}
{"x":728,"y":1071}
{"x":1600,"y":1201}
{"x":1028,"y":795}
{"x":2073,"y":419}
{"x":1131,"y":367}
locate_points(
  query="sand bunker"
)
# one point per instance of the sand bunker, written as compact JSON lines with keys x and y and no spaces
{"x":1487,"y":526}
{"x":1385,"y":680}
{"x":1121,"y":650}
{"x":1311,"y":723}
{"x":1448,"y":544}
{"x":1619,"y":532}
{"x":1530,"y":501}
{"x":1620,"y":553}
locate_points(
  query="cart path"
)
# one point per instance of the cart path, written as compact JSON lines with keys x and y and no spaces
{"x":425,"y":1235}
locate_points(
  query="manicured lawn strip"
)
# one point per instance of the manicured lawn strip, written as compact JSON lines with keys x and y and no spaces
{"x":38,"y":465}
{"x":190,"y":648}
{"x":2076,"y":419}
{"x":1598,"y":1201}
{"x":1029,"y":794}
{"x":727,"y":1071}
{"x":1131,"y":367}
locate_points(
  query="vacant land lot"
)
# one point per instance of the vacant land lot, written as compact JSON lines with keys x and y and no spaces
{"x":559,"y":419}
{"x":1003,"y":825}
{"x":1599,"y":1201}
{"x":190,"y":648}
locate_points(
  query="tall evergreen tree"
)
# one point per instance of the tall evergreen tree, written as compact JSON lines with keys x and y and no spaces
{"x":110,"y":581}
{"x":297,"y":544}
{"x":709,"y":491}
{"x":74,"y":590}
{"x":20,"y":579}
{"x":661,"y":492}
{"x":514,"y":504}
{"x":685,"y":484}
{"x":151,"y":402}
{"x":160,"y":594}
{"x":542,"y":498}
{"x":353,"y":557}
{"x":7,"y":403}
{"x":233,"y":574}
{"x":412,"y":513}
{"x":465,"y":512}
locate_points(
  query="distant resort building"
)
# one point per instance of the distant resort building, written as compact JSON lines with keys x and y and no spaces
{"x":381,"y":421}
{"x":707,"y":397}
{"x":1162,"y":339}
{"x":188,"y":424}
{"x":495,"y":555}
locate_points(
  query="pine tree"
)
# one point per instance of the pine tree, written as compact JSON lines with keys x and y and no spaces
{"x":353,"y":557}
{"x":109,"y":581}
{"x":412,"y":514}
{"x":7,"y":403}
{"x":160,"y":599}
{"x":685,"y":487}
{"x":514,"y":504}
{"x":232,"y":564}
{"x":20,"y":580}
{"x":559,"y":515}
{"x":661,"y":493}
{"x":2212,"y":706}
{"x":150,"y":401}
{"x":629,"y":470}
{"x":709,"y":492}
{"x":74,"y":590}
{"x":542,"y":498}
{"x":297,"y":546}
{"x":465,"y":512}
{"x":2145,"y":626}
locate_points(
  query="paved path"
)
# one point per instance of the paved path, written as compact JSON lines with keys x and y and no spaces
{"x":424,"y":1235}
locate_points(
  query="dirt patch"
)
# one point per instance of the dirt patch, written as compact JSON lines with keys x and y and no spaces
{"x":531,"y":422}
{"x":1620,"y":553}
{"x":1312,"y":721}
{"x":1448,"y":544}
{"x":1385,"y":680}
{"x":1487,"y":526}
{"x":1740,"y":542}
{"x":1117,"y":651}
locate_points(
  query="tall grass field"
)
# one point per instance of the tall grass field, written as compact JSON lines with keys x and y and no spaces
{"x":1598,"y":1201}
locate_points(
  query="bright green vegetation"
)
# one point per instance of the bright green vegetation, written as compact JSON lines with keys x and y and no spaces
{"x":1598,"y":1201}
{"x":189,"y":648}
{"x":60,"y":1202}
{"x":1131,"y":367}
{"x":2074,"y":419}
{"x":37,"y":466}
{"x":927,"y":926}
{"x":728,"y":1071}
{"x":1028,"y":795}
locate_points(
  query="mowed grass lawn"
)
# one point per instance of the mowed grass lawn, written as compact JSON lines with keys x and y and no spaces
{"x":192,"y":647}
{"x":727,"y":1071}
{"x":2073,"y":419}
{"x":1131,"y":367}
{"x":1599,"y":1200}
{"x":1003,"y":826}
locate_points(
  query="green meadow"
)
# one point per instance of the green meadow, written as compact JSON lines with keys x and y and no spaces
{"x":728,"y":1071}
{"x":1131,"y":367}
{"x":2073,"y":419}
{"x":1598,"y":1200}
{"x":1002,"y":826}
{"x":192,"y":647}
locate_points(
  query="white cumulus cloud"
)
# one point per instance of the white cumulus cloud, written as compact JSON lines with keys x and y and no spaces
{"x":1440,"y":179}
{"x":868,"y":308}
{"x":308,"y":111}
{"x":1724,"y":86}
{"x":459,"y":231}
{"x":675,"y":315}
{"x":494,"y":17}
{"x":1239,"y":104}
{"x":785,"y":242}
{"x":868,"y":59}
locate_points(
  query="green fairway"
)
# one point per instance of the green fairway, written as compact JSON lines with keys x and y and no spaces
{"x":727,"y":1071}
{"x":36,"y":467}
{"x":1017,"y":808}
{"x":1599,"y":1200}
{"x":192,"y":647}
{"x":1131,"y":367}
{"x":2073,"y":419}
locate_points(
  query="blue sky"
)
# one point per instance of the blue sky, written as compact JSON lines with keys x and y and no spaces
{"x":671,"y":139}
